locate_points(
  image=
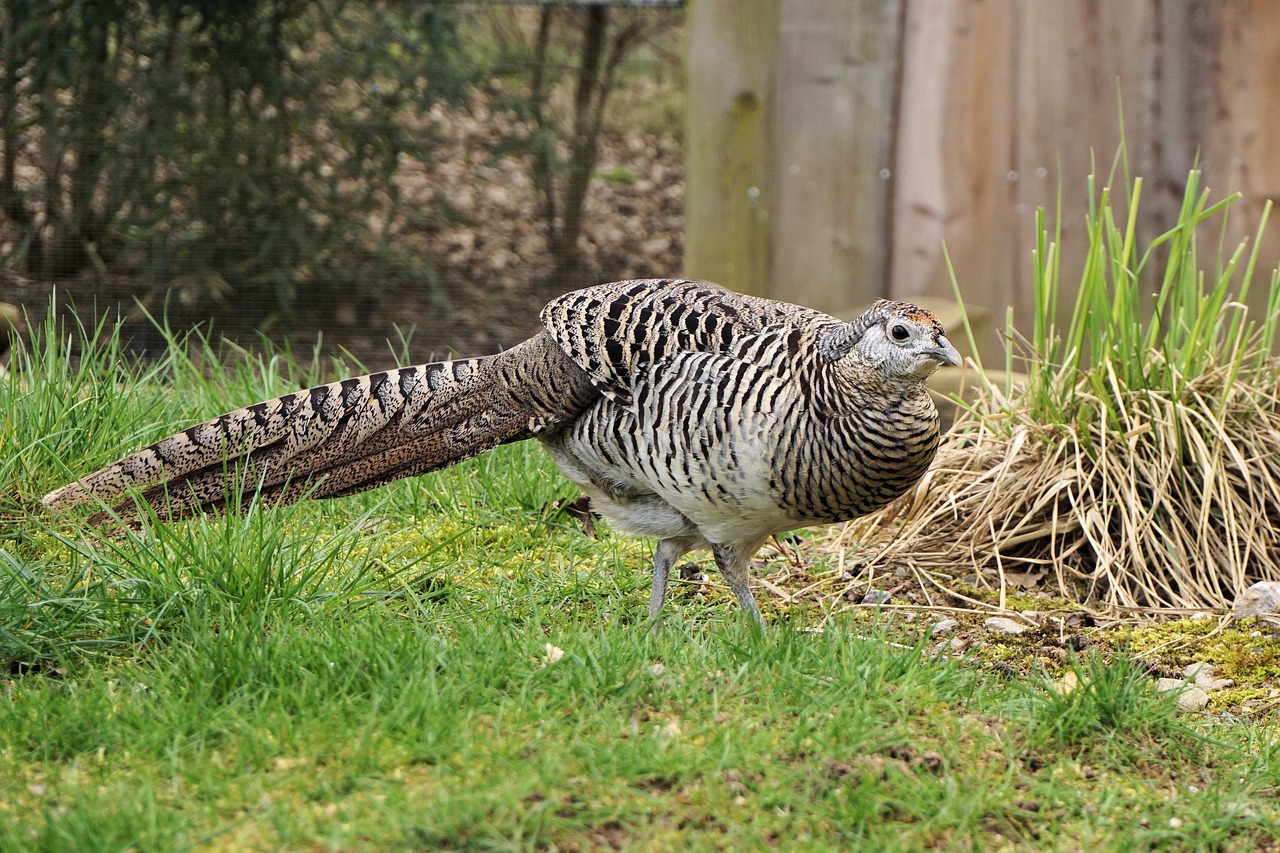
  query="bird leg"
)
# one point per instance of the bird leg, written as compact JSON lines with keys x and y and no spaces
{"x":734,"y":563}
{"x":664,"y":557}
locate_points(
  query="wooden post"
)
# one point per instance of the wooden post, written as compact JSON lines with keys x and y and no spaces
{"x":729,"y":150}
{"x":955,"y":149}
{"x":1000,"y":113}
{"x":838,"y":75}
{"x":1242,"y":146}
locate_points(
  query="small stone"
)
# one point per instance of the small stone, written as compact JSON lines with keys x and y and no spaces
{"x":1199,"y":669}
{"x":876,"y":597}
{"x":944,"y":626}
{"x":1175,"y":823}
{"x":1260,"y":600}
{"x":1200,"y":616}
{"x":658,"y":669}
{"x":1003,"y":625}
{"x":1190,"y":697}
{"x":958,"y":644}
{"x":1204,"y":675}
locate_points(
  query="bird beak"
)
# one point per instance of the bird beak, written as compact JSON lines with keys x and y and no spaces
{"x":945,"y":352}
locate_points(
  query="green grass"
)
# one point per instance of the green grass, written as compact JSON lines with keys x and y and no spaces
{"x":1145,"y":319}
{"x":380,"y":673}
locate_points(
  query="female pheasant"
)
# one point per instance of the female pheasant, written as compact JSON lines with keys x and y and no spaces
{"x":698,"y":416}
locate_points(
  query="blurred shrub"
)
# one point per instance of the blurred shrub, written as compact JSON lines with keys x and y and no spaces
{"x":242,"y":147}
{"x":580,"y":54}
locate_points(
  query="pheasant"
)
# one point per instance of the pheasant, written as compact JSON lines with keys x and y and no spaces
{"x":701,"y":417}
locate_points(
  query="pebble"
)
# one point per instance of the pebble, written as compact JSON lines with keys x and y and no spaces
{"x":1190,"y":697}
{"x":1260,"y":600}
{"x":944,"y":626}
{"x":1205,"y":676}
{"x":955,"y":646}
{"x":876,"y":596}
{"x":1003,"y":625}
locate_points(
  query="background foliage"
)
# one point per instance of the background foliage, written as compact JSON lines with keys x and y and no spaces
{"x":393,"y":162}
{"x":223,"y":148}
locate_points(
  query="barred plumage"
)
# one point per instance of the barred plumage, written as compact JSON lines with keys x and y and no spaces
{"x":698,"y":416}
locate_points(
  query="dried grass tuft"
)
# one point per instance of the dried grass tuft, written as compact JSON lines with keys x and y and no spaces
{"x":1140,"y":464}
{"x":1179,"y":508}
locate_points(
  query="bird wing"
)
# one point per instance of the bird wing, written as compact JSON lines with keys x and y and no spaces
{"x":613,"y":330}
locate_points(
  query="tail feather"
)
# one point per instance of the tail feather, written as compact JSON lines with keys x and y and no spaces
{"x":344,"y":437}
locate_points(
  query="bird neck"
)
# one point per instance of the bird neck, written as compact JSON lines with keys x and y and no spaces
{"x":854,"y":385}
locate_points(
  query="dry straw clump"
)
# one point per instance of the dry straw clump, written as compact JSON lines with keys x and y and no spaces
{"x":1139,"y":464}
{"x":1178,"y":507}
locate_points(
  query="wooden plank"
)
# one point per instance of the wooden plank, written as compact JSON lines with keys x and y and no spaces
{"x":838,"y":68}
{"x":1186,"y":43}
{"x":954,"y":153}
{"x":1242,"y":145}
{"x":1004,"y":104}
{"x":1001,"y":106}
{"x":1076,"y":65}
{"x":729,"y":147}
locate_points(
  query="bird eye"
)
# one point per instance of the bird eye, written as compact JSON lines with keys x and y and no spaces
{"x":899,"y":332}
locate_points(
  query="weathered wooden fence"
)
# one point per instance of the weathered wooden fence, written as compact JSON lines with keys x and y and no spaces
{"x":834,"y":146}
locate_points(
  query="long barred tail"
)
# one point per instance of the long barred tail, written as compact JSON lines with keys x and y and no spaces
{"x":343,"y":438}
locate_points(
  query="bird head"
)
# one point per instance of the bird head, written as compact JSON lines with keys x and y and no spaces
{"x":903,"y":340}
